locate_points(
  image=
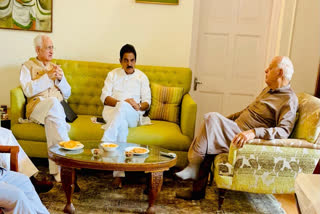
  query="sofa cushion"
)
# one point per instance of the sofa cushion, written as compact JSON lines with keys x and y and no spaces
{"x":160,"y":133}
{"x":308,"y":124}
{"x":165,"y":104}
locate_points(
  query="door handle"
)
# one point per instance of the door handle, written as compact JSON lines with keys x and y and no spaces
{"x":195,"y":83}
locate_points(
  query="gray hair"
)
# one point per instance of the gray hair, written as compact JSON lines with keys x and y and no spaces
{"x":38,"y":40}
{"x":286,"y":65}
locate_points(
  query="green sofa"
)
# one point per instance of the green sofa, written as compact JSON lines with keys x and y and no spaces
{"x":86,"y":80}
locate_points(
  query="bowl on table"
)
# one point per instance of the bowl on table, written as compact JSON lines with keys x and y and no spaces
{"x":109,"y":147}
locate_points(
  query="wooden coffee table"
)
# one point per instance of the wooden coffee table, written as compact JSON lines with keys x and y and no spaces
{"x":153,"y":163}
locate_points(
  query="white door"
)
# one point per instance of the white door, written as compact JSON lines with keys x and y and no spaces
{"x":231,"y":54}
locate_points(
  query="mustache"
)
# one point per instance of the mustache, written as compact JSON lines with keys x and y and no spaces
{"x":129,"y":67}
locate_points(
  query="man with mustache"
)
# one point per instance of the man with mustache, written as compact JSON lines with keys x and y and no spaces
{"x":126,"y":96}
{"x":271,"y":116}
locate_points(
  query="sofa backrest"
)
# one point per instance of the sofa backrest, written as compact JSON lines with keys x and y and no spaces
{"x":87,"y":79}
{"x":308,"y":124}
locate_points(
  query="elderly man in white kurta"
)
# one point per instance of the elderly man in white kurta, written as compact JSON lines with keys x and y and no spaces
{"x":271,"y":116}
{"x":17,"y":194}
{"x":45,"y":86}
{"x":126,"y":95}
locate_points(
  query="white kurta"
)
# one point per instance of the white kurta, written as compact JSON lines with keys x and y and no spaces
{"x":122,"y":86}
{"x":48,"y":111}
{"x":18,"y":196}
{"x":26,"y":167}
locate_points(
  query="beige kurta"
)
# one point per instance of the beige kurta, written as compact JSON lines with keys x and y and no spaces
{"x":37,"y":70}
{"x":271,"y":115}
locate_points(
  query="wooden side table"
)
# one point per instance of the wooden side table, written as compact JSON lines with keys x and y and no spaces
{"x":307,"y":193}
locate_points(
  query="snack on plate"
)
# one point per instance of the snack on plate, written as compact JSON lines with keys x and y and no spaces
{"x":138,"y":150}
{"x":110,"y":145}
{"x":69,"y":144}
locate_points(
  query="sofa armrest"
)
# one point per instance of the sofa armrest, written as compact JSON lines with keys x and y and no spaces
{"x":188,"y":116}
{"x":17,"y":104}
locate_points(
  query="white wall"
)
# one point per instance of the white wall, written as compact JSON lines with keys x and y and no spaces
{"x":95,"y":30}
{"x":304,"y":48}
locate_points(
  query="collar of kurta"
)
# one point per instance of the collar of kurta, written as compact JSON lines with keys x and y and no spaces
{"x":129,"y":75}
{"x":282,"y":89}
{"x":41,"y":63}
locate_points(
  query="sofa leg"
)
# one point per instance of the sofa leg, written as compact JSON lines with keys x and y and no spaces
{"x":221,"y":194}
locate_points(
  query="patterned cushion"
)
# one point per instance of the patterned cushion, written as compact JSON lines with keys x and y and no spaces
{"x":308,"y":125}
{"x":165,"y":104}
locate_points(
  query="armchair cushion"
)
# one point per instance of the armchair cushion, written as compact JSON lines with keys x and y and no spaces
{"x":165,"y":103}
{"x":308,"y":124}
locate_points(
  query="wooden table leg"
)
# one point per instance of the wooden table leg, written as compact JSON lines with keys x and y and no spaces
{"x":68,"y":179}
{"x":155,"y":183}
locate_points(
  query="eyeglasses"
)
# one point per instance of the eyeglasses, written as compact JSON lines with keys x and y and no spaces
{"x":49,"y":48}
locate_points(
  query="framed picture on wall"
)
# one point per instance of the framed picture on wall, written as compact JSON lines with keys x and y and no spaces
{"x":30,"y":15}
{"x":159,"y":1}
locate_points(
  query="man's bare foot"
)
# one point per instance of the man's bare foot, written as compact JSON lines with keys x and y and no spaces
{"x":117,"y":183}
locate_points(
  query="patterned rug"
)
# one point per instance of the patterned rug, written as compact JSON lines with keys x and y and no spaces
{"x":97,"y":196}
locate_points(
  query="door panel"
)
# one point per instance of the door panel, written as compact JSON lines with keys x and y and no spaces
{"x":231,"y":54}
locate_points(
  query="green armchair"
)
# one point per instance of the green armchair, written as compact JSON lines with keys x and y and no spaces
{"x":86,"y":80}
{"x":271,"y":166}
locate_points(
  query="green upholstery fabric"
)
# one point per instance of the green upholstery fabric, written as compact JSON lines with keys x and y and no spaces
{"x":86,"y":80}
{"x":188,"y":115}
{"x":161,"y":133}
{"x":308,"y":126}
{"x":18,"y":103}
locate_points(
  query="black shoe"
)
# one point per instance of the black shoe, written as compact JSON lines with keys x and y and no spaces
{"x":117,"y":183}
{"x":41,"y":186}
{"x":189,"y":195}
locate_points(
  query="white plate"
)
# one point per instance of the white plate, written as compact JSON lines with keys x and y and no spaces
{"x":80,"y":146}
{"x":132,"y":147}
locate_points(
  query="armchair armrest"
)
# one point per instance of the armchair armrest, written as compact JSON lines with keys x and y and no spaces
{"x":290,"y":142}
{"x":13,"y":150}
{"x":188,"y":116}
{"x":17,"y":102}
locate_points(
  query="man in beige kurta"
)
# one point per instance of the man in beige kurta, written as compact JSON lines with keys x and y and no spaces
{"x":270,"y":116}
{"x":45,"y":86}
